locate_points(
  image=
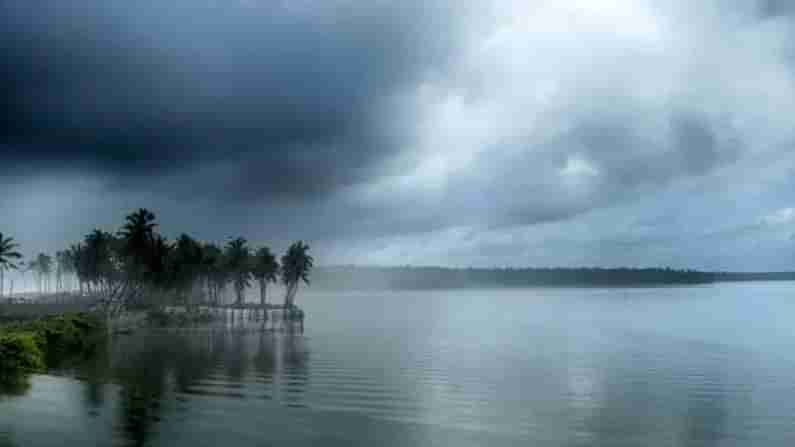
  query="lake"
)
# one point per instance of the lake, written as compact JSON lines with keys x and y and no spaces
{"x":709,"y":365}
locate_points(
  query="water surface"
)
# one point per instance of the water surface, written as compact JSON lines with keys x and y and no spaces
{"x":691,"y":366}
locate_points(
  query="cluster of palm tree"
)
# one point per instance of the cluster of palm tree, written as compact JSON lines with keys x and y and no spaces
{"x":137,"y":264}
{"x":41,"y":266}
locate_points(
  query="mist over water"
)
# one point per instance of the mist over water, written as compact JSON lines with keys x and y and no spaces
{"x":699,"y":365}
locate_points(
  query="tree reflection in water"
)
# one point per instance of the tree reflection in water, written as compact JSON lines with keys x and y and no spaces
{"x":156,"y":374}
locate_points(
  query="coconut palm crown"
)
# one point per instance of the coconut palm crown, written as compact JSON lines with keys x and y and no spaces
{"x":265,"y":269}
{"x":296,"y":266}
{"x":9,"y":258}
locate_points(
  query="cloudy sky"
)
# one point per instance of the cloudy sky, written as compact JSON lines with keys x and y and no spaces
{"x":452,"y":132}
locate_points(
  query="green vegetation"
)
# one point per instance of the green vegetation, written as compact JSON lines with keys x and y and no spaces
{"x":9,"y":257}
{"x":138,"y":268}
{"x":32,"y":346}
{"x":19,"y":352}
{"x":296,"y":265}
{"x":265,"y":270}
{"x":239,"y":265}
{"x":294,"y":313}
{"x":42,"y":268}
{"x":414,"y":278}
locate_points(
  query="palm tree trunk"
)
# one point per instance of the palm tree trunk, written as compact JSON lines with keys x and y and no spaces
{"x":2,"y":281}
{"x":295,"y":292}
{"x":289,"y":297}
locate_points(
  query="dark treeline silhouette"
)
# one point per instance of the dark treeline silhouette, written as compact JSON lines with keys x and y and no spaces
{"x":407,"y":278}
{"x":753,"y":276}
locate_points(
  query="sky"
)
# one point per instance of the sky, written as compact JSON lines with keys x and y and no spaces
{"x":432,"y":132}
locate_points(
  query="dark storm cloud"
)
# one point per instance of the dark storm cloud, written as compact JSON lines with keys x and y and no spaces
{"x":286,"y":90}
{"x":777,"y":8}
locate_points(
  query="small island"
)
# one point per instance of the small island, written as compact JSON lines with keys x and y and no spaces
{"x":114,"y":282}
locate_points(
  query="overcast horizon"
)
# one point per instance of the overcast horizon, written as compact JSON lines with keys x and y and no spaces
{"x":427,"y":132}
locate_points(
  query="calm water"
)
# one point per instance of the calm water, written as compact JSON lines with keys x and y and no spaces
{"x":689,"y":366}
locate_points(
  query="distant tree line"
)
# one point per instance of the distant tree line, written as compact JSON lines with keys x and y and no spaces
{"x":754,"y":276}
{"x":407,"y":278}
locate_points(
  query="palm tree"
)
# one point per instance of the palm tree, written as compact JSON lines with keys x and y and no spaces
{"x":265,"y":270}
{"x":68,"y":269}
{"x":23,"y":268}
{"x":296,"y":266}
{"x":44,"y":267}
{"x":186,"y":264}
{"x":97,"y":259}
{"x":238,"y":265}
{"x":138,"y":234}
{"x":8,"y":258}
{"x":76,"y":257}
{"x":61,"y":267}
{"x":33,"y":268}
{"x":157,"y":262}
{"x":213,"y":268}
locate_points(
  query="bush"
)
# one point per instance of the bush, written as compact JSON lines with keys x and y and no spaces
{"x":295,"y":314}
{"x":68,"y":334}
{"x":29,"y":346}
{"x":20,"y":352}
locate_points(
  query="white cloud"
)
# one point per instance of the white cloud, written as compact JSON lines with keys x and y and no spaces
{"x":780,"y":217}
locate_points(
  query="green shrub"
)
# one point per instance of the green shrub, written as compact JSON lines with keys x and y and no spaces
{"x":295,"y":314}
{"x":30,"y":345}
{"x":20,"y":352}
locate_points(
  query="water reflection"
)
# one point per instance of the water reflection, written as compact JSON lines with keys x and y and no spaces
{"x":707,"y":420}
{"x":6,"y":441}
{"x":153,"y":377}
{"x":14,"y":385}
{"x":656,"y":392}
{"x":293,"y":371}
{"x":650,"y":390}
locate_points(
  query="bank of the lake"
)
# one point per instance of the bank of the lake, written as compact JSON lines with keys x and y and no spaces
{"x":34,"y":345}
